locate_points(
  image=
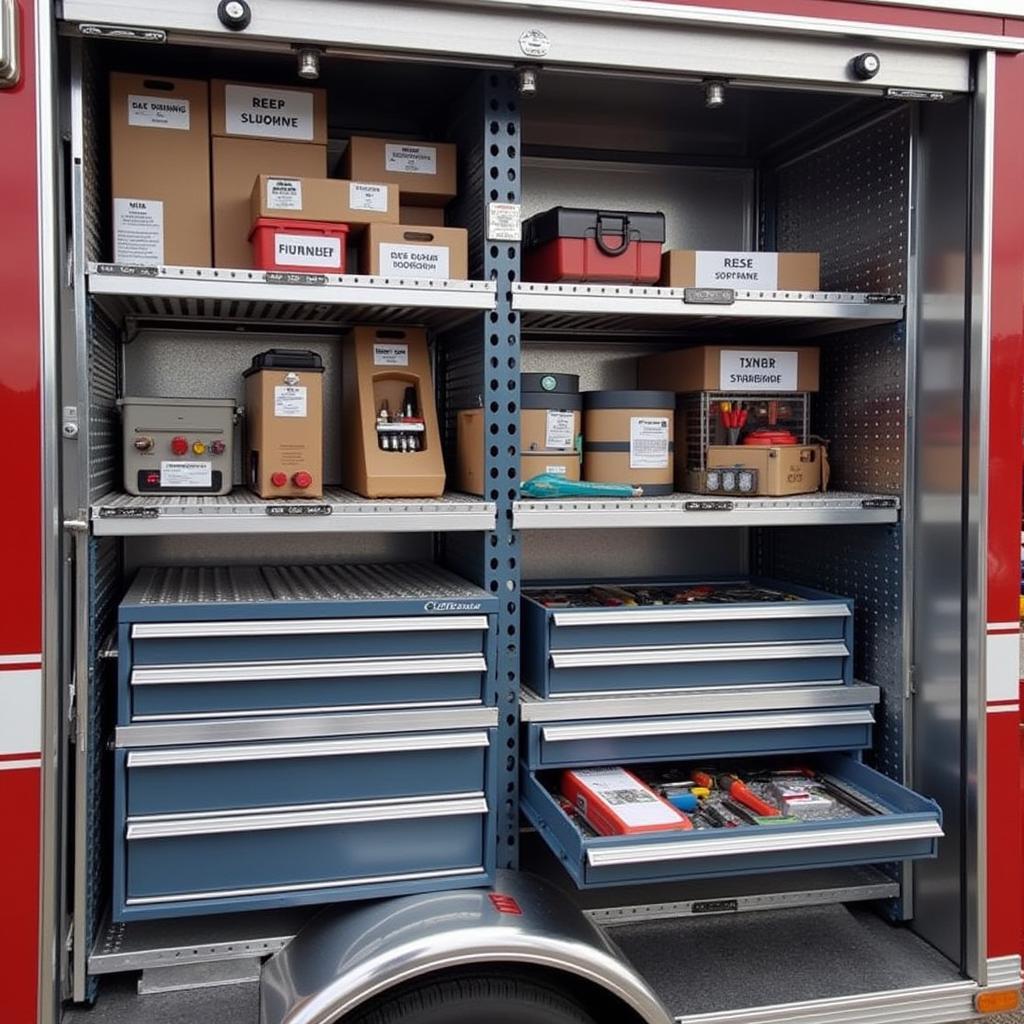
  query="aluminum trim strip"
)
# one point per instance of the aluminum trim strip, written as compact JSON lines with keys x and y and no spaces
{"x":306,"y":627}
{"x":695,"y":613}
{"x":1003,"y":971}
{"x":600,"y":656}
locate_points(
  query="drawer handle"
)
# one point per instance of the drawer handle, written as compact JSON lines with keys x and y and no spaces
{"x":596,"y":657}
{"x":700,"y":613}
{"x":307,"y":627}
{"x":319,"y":748}
{"x":775,"y":842}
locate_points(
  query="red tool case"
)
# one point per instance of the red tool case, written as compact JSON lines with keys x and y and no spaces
{"x":597,"y":246}
{"x":302,"y":245}
{"x":614,"y":802}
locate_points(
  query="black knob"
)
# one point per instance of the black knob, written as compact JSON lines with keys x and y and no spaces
{"x":234,"y":14}
{"x":865,"y":66}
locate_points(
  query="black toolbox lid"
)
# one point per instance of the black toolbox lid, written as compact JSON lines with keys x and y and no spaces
{"x":573,"y":222}
{"x":286,"y":359}
{"x":549,"y":383}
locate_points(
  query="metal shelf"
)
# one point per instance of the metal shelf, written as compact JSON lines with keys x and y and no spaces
{"x":551,"y":310}
{"x":125,"y":515}
{"x":833,"y":508}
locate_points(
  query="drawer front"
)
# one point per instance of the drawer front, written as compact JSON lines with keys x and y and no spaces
{"x":569,"y":744}
{"x":911,"y":829}
{"x":241,"y":776}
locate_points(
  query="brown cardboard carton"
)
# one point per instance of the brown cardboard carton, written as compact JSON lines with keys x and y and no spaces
{"x":431,"y":215}
{"x":754,"y":369}
{"x":379,"y":365}
{"x":256,"y":111}
{"x":329,"y":200}
{"x":743,"y":271}
{"x":236,"y":164}
{"x":160,"y":170}
{"x":781,"y":469}
{"x":424,"y":171}
{"x":402,"y":250}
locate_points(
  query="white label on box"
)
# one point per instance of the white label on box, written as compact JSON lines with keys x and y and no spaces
{"x":410,"y":159}
{"x":158,"y":112}
{"x":504,"y":222}
{"x":290,"y":400}
{"x":648,"y":442}
{"x":555,"y":470}
{"x":758,"y":371}
{"x":744,"y":271}
{"x":186,"y":474}
{"x":268,"y":113}
{"x":629,"y":798}
{"x":390,"y":354}
{"x":373,"y":198}
{"x":412,"y":260}
{"x":559,"y":429}
{"x":139,"y":231}
{"x":307,"y":251}
{"x":284,"y":194}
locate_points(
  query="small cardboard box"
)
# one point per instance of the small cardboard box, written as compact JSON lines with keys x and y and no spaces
{"x":431,"y":215}
{"x":737,"y":369}
{"x":781,"y":469}
{"x":424,"y":171}
{"x":743,"y":271}
{"x":327,"y":200}
{"x":254,"y":111}
{"x":403,"y":250}
{"x":160,"y":170}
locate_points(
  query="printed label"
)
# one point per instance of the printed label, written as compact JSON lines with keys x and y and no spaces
{"x":157,"y":112}
{"x":504,"y":222}
{"x":749,"y":271}
{"x":307,"y":251}
{"x":268,"y":113}
{"x":410,"y":159}
{"x":373,"y":198}
{"x":559,"y":429}
{"x":632,"y":802}
{"x":139,"y":231}
{"x":758,"y":371}
{"x":284,"y":194}
{"x":555,"y":470}
{"x":414,"y":260}
{"x":390,"y":354}
{"x":648,"y":442}
{"x":290,"y":400}
{"x":186,"y":474}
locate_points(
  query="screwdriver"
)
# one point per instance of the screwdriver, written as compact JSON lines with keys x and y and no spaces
{"x":741,"y":793}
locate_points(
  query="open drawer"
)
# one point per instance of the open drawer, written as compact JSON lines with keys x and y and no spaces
{"x":908,"y":827}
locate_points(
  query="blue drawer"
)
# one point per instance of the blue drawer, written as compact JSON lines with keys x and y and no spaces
{"x":619,"y":741}
{"x":911,"y":829}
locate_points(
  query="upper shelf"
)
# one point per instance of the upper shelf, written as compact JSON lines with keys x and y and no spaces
{"x":555,"y":309}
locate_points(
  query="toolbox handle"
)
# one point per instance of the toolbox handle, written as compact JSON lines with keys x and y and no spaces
{"x":612,"y":250}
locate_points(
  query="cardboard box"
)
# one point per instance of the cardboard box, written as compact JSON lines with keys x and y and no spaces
{"x":256,"y":111}
{"x":160,"y":170}
{"x":432,"y":215}
{"x":404,"y":250}
{"x":327,"y":200}
{"x":781,"y":470}
{"x":424,"y":171}
{"x":236,"y":164}
{"x":743,"y":271}
{"x":737,"y":369}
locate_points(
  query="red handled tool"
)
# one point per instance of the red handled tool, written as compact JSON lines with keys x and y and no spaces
{"x":741,"y":793}
{"x":734,"y":420}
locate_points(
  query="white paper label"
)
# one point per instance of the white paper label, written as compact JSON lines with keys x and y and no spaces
{"x":758,"y":371}
{"x":744,"y":271}
{"x":555,"y":470}
{"x":307,"y":251}
{"x":186,"y":474}
{"x":410,"y":159}
{"x":648,"y":442}
{"x":268,"y":113}
{"x":390,"y":354}
{"x":139,"y":231}
{"x":559,"y":429}
{"x":290,"y":400}
{"x":631,"y":801}
{"x":414,"y":260}
{"x":157,"y":112}
{"x":373,"y":198}
{"x":504,"y":222}
{"x":284,"y":194}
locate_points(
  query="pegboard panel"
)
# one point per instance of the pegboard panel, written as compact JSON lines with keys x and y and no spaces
{"x":104,"y":434}
{"x":90,"y":98}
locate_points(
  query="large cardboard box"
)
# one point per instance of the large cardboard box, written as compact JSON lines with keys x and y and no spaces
{"x":251,"y":110}
{"x":328,"y":200}
{"x":781,"y":469}
{"x":743,"y":271}
{"x":405,"y":250}
{"x":160,"y":170}
{"x":738,"y":369}
{"x":432,"y":215}
{"x":424,"y":171}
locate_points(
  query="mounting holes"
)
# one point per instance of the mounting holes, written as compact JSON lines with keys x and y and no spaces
{"x":494,"y":195}
{"x":494,"y":563}
{"x":511,"y":174}
{"x":494,"y":585}
{"x":494,"y":385}
{"x":495,"y":128}
{"x":511,"y":127}
{"x":494,"y":252}
{"x":494,"y":362}
{"x":493,"y":172}
{"x":494,"y":428}
{"x":510,"y":763}
{"x":494,"y":540}
{"x":510,"y":743}
{"x":495,"y":149}
{"x":511,"y":362}
{"x":511,"y":252}
{"x":494,"y":451}
{"x":512,"y":473}
{"x":494,"y":497}
{"x":511,"y":196}
{"x":513,"y":494}
{"x":494,"y":472}
{"x":512,"y":563}
{"x":512,"y":318}
{"x":511,"y":407}
{"x":511,"y":152}
{"x":512,"y":275}
{"x":511,"y":630}
{"x":495,"y":407}
{"x":493,"y":318}
{"x":511,"y":607}
{"x":512,"y":450}
{"x":512,"y":428}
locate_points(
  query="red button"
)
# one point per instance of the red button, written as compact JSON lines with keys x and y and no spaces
{"x":278,"y":479}
{"x":301,"y":479}
{"x":179,"y":445}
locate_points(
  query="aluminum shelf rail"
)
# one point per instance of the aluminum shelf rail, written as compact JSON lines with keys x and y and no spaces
{"x":131,"y":294}
{"x":554,"y":309}
{"x":834,"y":508}
{"x":338,"y":511}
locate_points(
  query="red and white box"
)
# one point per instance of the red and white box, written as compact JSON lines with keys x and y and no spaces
{"x":614,"y":802}
{"x":301,"y":245}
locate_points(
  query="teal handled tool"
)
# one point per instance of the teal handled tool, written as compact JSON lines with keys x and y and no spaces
{"x":547,"y":485}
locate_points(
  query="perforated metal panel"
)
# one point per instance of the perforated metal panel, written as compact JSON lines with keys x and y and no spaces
{"x":104,"y":428}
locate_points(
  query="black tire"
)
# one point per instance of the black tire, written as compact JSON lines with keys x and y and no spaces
{"x":477,"y":1000}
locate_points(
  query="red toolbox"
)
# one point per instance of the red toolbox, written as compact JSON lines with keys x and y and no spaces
{"x":596,"y":246}
{"x":302,"y":245}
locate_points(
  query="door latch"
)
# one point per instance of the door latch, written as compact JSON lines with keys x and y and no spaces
{"x":10,"y":65}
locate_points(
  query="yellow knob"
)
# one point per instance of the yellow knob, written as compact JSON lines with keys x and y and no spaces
{"x":198,"y":447}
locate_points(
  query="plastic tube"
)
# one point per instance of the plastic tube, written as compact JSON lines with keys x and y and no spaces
{"x":548,"y":485}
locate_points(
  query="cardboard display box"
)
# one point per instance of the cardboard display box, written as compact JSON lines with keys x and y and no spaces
{"x":424,"y":171}
{"x":743,"y":271}
{"x":781,"y":469}
{"x":256,"y":111}
{"x":160,"y":170}
{"x":733,"y":368}
{"x":403,"y":250}
{"x":327,"y":200}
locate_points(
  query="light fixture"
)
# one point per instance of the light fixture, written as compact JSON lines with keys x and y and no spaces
{"x":309,"y":64}
{"x":527,"y":81}
{"x":714,"y":93}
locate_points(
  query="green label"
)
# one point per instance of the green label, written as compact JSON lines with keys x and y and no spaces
{"x":548,"y":383}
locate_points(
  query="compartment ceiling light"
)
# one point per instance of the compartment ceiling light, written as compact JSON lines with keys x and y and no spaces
{"x":309,"y":64}
{"x":527,"y":81}
{"x":714,"y":93}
